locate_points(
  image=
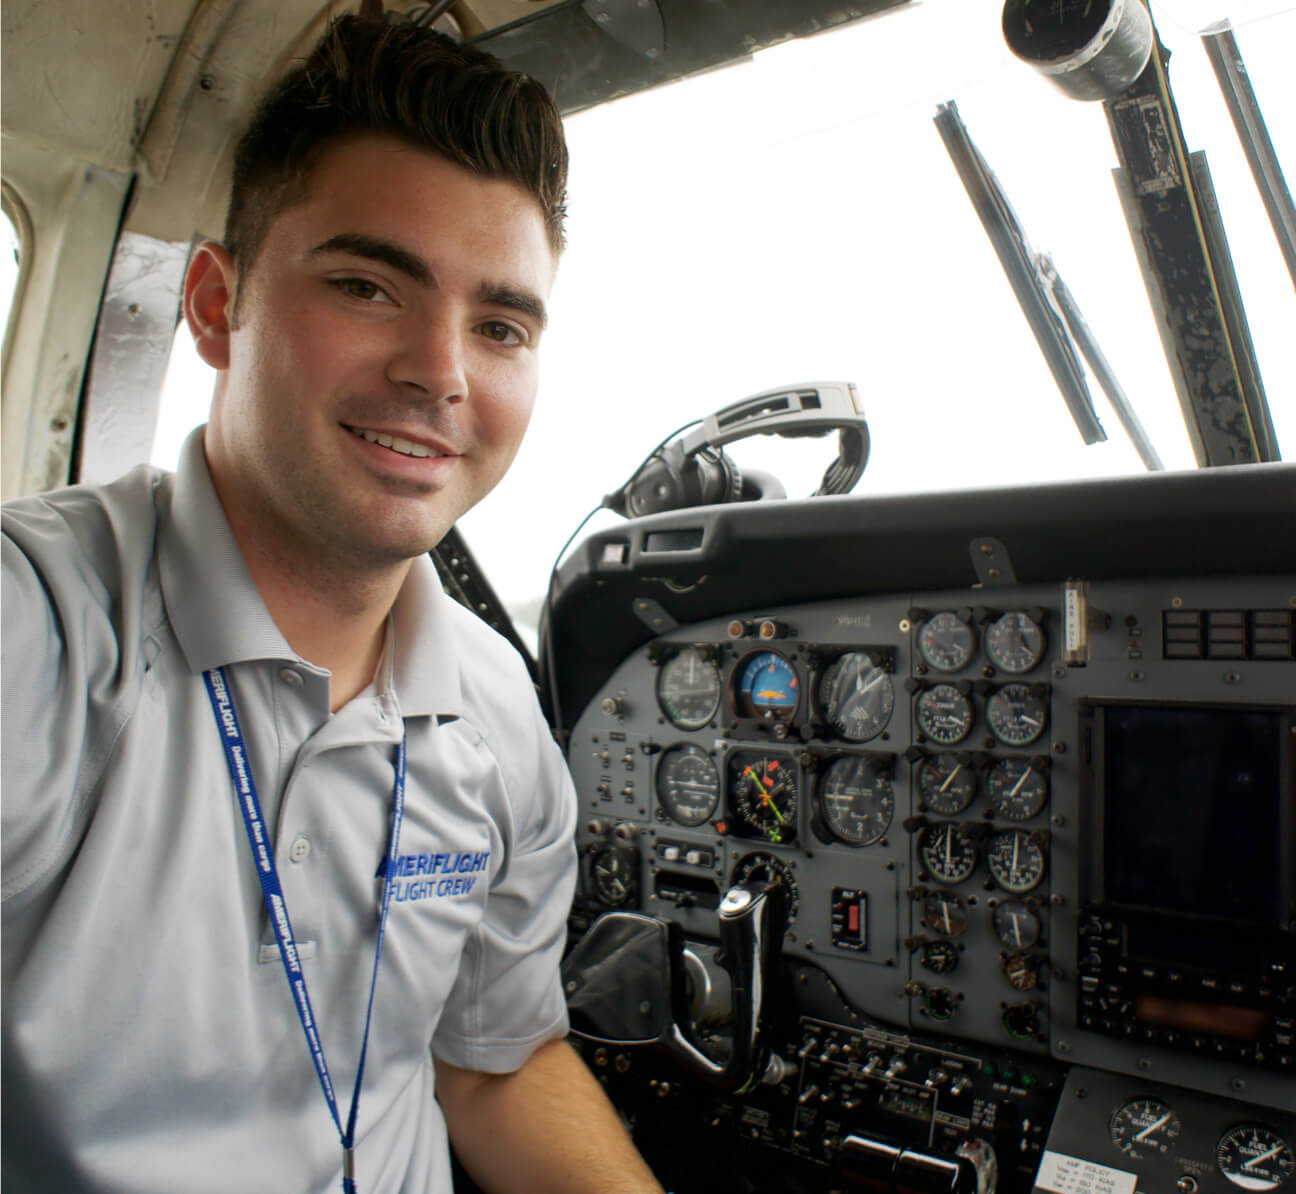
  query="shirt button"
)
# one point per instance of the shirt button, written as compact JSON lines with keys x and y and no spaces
{"x":299,"y":850}
{"x":291,"y":677}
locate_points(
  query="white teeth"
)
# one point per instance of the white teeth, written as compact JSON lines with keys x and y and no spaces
{"x":395,"y":443}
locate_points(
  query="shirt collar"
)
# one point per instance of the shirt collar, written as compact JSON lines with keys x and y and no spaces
{"x":215,"y":609}
{"x":219,"y":617}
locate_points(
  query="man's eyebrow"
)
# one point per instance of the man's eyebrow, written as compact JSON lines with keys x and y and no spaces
{"x":377,"y":249}
{"x":519,"y":300}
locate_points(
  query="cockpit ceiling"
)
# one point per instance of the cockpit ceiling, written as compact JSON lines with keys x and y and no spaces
{"x":157,"y":87}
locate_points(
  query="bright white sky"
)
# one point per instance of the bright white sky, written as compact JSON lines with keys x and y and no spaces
{"x":797,"y":217}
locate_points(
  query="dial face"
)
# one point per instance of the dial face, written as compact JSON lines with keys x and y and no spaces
{"x":946,"y":784}
{"x":688,"y":689}
{"x":1021,"y":971}
{"x":945,"y":912}
{"x":946,"y":642}
{"x":1144,"y":1128}
{"x":1013,"y":643}
{"x":1017,"y":791}
{"x":765,"y":868}
{"x":940,"y":957}
{"x":766,"y":687}
{"x":1016,"y":716}
{"x":1015,"y":925}
{"x":1254,"y":1157}
{"x":857,"y":803}
{"x":944,"y":714}
{"x":612,"y":873}
{"x":688,"y":784}
{"x":857,"y":696}
{"x":763,"y":793}
{"x":1016,"y":861}
{"x":948,"y":854}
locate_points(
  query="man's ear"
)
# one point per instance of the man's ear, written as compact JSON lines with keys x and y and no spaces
{"x":210,"y":287}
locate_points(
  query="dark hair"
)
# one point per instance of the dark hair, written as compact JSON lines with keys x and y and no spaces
{"x":369,"y":76}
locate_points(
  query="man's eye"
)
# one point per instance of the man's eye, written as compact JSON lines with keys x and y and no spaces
{"x":361,"y":288}
{"x":500,"y":332}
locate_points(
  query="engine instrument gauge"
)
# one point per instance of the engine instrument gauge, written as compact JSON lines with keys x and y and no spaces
{"x":763,"y":793}
{"x":766,"y":687}
{"x":688,"y":784}
{"x":944,"y":714}
{"x":1144,"y":1128}
{"x":855,"y":800}
{"x":946,"y":784}
{"x":688,"y":689}
{"x":1015,"y":925}
{"x":949,"y":854}
{"x":940,"y":957}
{"x":1017,"y":789}
{"x":945,"y":912}
{"x":857,"y":696}
{"x":1014,"y":643}
{"x":946,"y":642}
{"x":1254,"y":1157}
{"x":1015,"y":715}
{"x":765,"y":868}
{"x":1016,"y":861}
{"x":612,"y":872}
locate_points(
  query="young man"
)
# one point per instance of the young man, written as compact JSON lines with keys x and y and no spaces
{"x":276,"y":810}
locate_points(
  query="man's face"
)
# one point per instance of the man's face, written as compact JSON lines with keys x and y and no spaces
{"x":384,"y":364}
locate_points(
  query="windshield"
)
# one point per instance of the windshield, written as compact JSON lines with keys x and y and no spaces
{"x":796,"y":218}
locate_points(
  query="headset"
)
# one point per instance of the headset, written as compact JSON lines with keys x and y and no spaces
{"x":694,"y":471}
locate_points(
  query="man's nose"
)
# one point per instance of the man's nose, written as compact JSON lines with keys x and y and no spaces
{"x":431,"y":357}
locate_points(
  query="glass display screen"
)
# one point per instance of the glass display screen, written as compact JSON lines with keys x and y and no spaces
{"x":1192,"y":807}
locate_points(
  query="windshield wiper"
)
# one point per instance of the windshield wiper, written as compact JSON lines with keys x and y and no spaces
{"x":1054,"y":317}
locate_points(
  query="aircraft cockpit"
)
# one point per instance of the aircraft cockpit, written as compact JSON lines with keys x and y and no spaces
{"x":937,"y":828}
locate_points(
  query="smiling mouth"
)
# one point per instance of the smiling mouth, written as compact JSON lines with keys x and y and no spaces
{"x":404,"y":446}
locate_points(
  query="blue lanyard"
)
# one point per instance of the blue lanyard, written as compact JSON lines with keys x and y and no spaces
{"x":222,"y":701}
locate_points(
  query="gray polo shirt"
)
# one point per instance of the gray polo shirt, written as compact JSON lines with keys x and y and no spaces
{"x":150,"y":1039}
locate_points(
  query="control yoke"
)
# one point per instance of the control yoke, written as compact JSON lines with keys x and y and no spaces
{"x":626,"y":983}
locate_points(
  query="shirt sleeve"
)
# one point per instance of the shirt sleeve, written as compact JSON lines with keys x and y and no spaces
{"x":65,"y":691}
{"x":507,"y":999}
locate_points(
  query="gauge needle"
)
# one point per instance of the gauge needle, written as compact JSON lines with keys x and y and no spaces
{"x":1273,"y":1152}
{"x":1016,"y":845}
{"x":1018,"y":784}
{"x":949,"y":852}
{"x":949,"y":781}
{"x":1016,"y":927}
{"x":1146,"y":1132}
{"x":949,"y":928}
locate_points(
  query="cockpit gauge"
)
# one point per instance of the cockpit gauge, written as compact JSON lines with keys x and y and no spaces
{"x":856,"y":801}
{"x":1254,"y":1157}
{"x":766,"y":688}
{"x":1014,"y":642}
{"x":940,"y":957}
{"x":688,"y":689}
{"x":945,"y":912}
{"x":765,"y":868}
{"x":857,"y":696}
{"x":688,"y":784}
{"x":1017,"y":789}
{"x":946,"y":783}
{"x":944,"y":714}
{"x":763,"y":793}
{"x":946,"y":642}
{"x":1015,"y":924}
{"x":1144,"y":1128}
{"x":612,"y":873}
{"x":1016,"y":861}
{"x":1022,"y":971}
{"x":1016,"y":715}
{"x":948,"y":853}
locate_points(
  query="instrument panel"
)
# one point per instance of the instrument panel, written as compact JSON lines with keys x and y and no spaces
{"x":1043,"y":830}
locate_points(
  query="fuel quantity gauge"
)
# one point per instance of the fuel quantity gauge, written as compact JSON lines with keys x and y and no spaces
{"x":1254,"y":1157}
{"x":1144,"y":1128}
